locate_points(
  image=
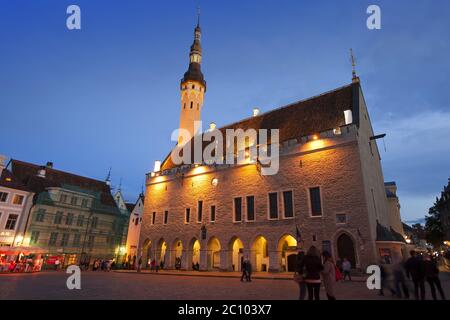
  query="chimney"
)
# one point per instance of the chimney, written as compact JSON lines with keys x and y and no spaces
{"x":41,"y":172}
{"x":49,"y":165}
{"x":2,"y":163}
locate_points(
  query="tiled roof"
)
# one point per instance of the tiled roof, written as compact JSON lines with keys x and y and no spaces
{"x":8,"y":180}
{"x":302,"y":118}
{"x":388,"y":234}
{"x":27,"y":174}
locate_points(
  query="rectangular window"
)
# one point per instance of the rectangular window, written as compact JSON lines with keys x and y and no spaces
{"x":273,"y":205}
{"x":3,"y":196}
{"x":187,"y":216}
{"x":76,"y":240}
{"x":63,"y":198}
{"x":288,"y":204}
{"x":53,"y":238}
{"x":34,"y":237}
{"x":200,"y":211}
{"x":11,"y":222}
{"x":84,"y":203}
{"x":18,"y":199}
{"x":58,"y":217}
{"x":65,"y":240}
{"x":80,"y":221}
{"x":94,"y":222}
{"x":166,"y":216}
{"x":213,"y":213}
{"x":250,"y":208}
{"x":315,"y":199}
{"x":153,"y":217}
{"x":69,"y":219}
{"x":40,"y":215}
{"x":91,"y":241}
{"x":74,"y":201}
{"x":237,"y":209}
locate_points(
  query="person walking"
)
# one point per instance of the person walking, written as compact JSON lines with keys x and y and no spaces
{"x":346,"y":269}
{"x":299,"y":275}
{"x":432,"y":276}
{"x":139,"y":266}
{"x":312,"y":266}
{"x":415,"y":270}
{"x":249,"y":271}
{"x":329,"y":275}
{"x":244,"y":270}
{"x":399,"y":279}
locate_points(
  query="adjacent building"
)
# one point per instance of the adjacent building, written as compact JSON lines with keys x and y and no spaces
{"x":134,"y":229}
{"x":329,"y":191}
{"x":72,"y":218}
{"x":15,"y":203}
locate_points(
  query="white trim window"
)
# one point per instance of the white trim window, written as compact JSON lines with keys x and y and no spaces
{"x":272,"y":208}
{"x":3,"y":196}
{"x":18,"y":199}
{"x":315,"y":202}
{"x":250,"y":212}
{"x":288,"y":204}
{"x":237,"y":209}
{"x":11,"y":222}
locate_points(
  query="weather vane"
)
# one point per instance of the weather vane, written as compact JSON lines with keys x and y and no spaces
{"x":353,"y":61}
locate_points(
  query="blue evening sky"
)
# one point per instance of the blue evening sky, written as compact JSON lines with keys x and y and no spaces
{"x":108,"y":95}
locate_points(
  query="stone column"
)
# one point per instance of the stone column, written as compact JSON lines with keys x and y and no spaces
{"x":203,"y":259}
{"x":274,"y":261}
{"x":184,"y":260}
{"x":225,"y":265}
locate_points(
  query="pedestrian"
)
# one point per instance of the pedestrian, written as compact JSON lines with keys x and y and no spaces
{"x":415,"y":270}
{"x":339,"y":265}
{"x":153,"y":265}
{"x":329,"y":275}
{"x":346,"y":269}
{"x":300,"y":274}
{"x":432,"y":276}
{"x":399,"y":279}
{"x":244,"y":270}
{"x":139,"y":266}
{"x":313,"y":266}
{"x":384,"y":276}
{"x":249,"y":271}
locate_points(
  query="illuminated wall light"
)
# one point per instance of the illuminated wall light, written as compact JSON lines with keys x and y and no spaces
{"x":315,"y":137}
{"x":215,"y":182}
{"x":337,"y":131}
{"x":348,"y":117}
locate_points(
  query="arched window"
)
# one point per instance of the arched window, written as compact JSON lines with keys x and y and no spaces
{"x":192,"y":104}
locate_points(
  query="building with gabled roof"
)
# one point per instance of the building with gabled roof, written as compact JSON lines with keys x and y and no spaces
{"x":329,"y":190}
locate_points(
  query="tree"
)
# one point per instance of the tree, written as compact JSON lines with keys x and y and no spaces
{"x":418,"y":232}
{"x":433,"y":225}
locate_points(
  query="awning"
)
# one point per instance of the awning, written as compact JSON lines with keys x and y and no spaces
{"x":24,"y":250}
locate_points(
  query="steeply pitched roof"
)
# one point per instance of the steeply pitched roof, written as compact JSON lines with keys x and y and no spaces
{"x":27,"y":174}
{"x":8,"y":180}
{"x":317,"y":114}
{"x":388,"y":234}
{"x":130,"y":206}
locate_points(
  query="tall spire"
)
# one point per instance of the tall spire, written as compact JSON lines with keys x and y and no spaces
{"x":355,"y":78}
{"x":194,"y":72}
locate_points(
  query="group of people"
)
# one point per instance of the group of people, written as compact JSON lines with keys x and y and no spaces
{"x":311,"y":272}
{"x":418,"y":269}
{"x":103,"y":265}
{"x":246,"y":268}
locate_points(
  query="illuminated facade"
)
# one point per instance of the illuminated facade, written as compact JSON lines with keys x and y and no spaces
{"x":329,"y":192}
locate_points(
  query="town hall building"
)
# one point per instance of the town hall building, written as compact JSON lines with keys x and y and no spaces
{"x":329,"y":190}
